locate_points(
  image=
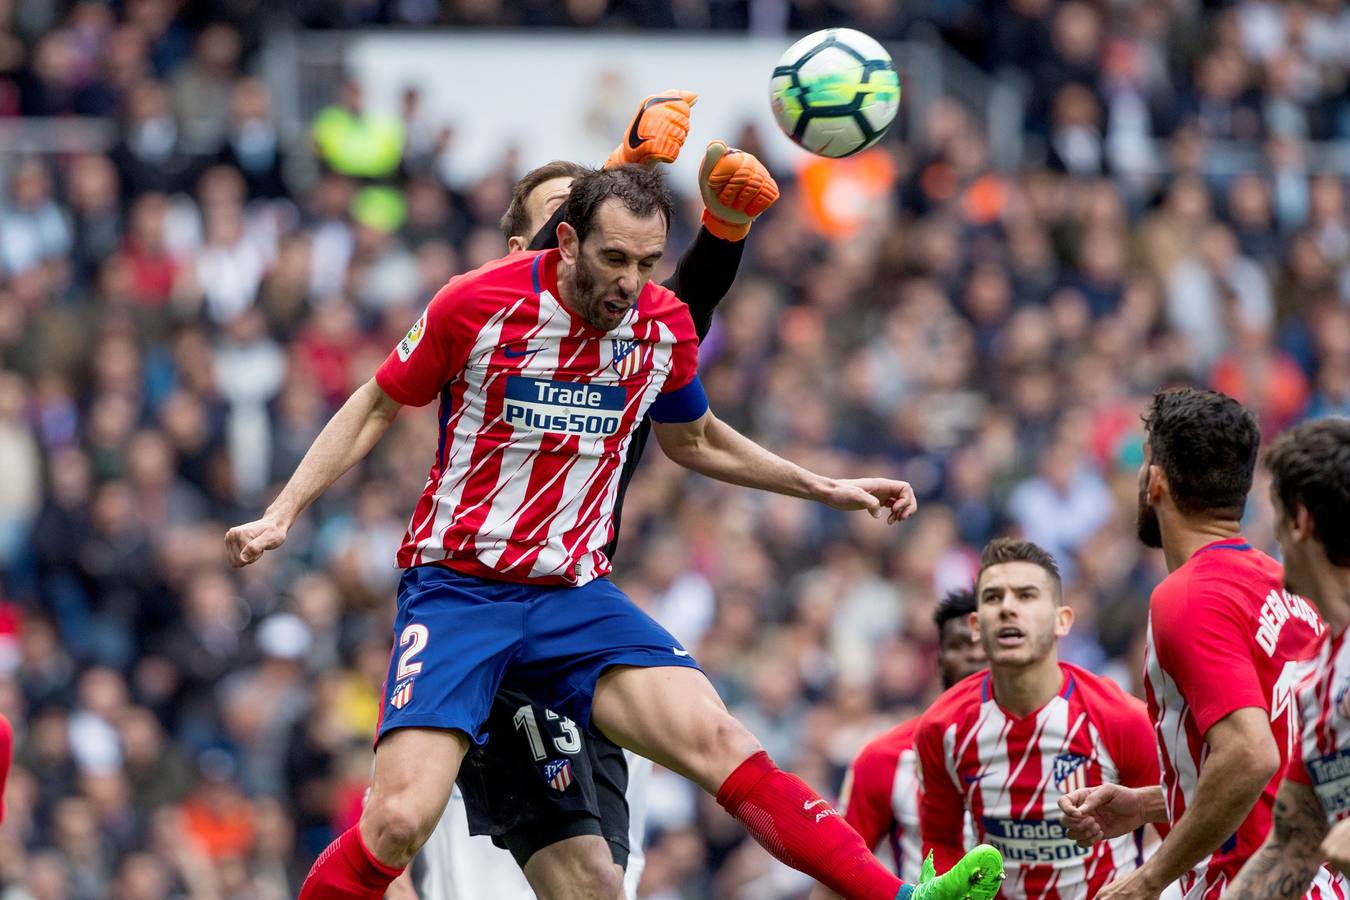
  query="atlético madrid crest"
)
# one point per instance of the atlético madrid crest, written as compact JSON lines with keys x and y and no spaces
{"x":1070,"y":773}
{"x":629,"y":357}
{"x":402,"y":695}
{"x":559,"y":773}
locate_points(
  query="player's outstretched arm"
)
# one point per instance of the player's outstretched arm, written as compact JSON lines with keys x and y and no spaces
{"x":1284,"y":867}
{"x":1109,"y":810}
{"x":1336,"y":847}
{"x":1242,"y":760}
{"x":711,"y":447}
{"x":344,"y":441}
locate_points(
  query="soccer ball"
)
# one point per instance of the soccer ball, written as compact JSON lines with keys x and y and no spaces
{"x":835,"y":92}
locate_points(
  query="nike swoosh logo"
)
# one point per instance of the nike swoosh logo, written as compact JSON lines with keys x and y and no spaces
{"x":971,"y":779}
{"x":517,"y":354}
{"x":678,"y":652}
{"x":812,"y":804}
{"x":634,"y":139}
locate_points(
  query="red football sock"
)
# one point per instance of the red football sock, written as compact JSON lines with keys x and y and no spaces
{"x":6,"y":754}
{"x":347,"y":870}
{"x":793,"y":823}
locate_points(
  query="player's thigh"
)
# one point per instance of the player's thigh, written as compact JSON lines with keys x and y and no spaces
{"x":415,"y":770}
{"x":576,"y":868}
{"x":454,"y":638}
{"x":573,"y":635}
{"x":673,"y":716}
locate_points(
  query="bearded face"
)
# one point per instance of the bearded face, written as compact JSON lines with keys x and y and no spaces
{"x":613,"y":263}
{"x":601,"y":301}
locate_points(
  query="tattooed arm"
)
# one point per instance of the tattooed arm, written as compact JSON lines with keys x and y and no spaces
{"x":1285,"y":865}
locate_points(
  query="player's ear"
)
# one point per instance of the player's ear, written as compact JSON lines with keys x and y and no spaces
{"x":1301,"y":523}
{"x":973,"y":623}
{"x":1063,"y":619}
{"x":515,"y":244}
{"x":569,"y":245}
{"x":1157,"y":484}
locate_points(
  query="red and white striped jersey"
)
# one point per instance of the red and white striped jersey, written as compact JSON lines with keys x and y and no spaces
{"x":1010,"y":772}
{"x":880,"y":797}
{"x":1223,"y":635}
{"x":1321,"y":756}
{"x":536,"y":411}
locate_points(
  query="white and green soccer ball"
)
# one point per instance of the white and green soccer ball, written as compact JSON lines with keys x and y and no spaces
{"x":835,"y":92}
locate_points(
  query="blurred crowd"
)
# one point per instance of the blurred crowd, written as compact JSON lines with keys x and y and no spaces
{"x":179,"y":316}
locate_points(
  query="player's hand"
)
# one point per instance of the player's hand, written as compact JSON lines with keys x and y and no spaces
{"x":876,"y":495}
{"x":1336,"y":847}
{"x":1135,"y":886}
{"x":657,"y":131}
{"x":1100,"y":813}
{"x":247,"y":543}
{"x":736,"y":188}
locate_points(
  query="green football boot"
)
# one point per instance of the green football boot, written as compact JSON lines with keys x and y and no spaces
{"x":977,"y":876}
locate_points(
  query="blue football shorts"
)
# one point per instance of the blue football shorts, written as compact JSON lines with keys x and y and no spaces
{"x":457,"y":637}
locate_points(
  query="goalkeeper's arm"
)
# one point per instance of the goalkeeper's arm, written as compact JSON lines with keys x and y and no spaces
{"x":736,"y":189}
{"x":703,"y":276}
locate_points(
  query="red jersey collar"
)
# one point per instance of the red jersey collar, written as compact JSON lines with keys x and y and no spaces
{"x":1066,"y":688}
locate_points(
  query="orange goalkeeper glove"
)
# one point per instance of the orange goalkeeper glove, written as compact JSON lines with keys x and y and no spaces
{"x":657,"y":132}
{"x":736,"y":188}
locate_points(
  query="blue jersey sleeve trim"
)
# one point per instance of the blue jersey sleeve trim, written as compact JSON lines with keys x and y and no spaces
{"x":534,"y":272}
{"x":684,"y":405}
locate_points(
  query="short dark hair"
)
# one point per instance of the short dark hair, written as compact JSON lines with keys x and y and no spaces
{"x":1009,"y":550}
{"x":955,"y":605}
{"x":641,"y":189}
{"x":516,"y":220}
{"x":1206,"y":443}
{"x":1310,"y":467}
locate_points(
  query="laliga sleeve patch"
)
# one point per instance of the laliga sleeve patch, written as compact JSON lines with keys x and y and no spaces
{"x":412,"y":338}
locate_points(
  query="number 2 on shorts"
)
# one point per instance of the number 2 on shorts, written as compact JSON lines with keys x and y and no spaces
{"x":414,"y":638}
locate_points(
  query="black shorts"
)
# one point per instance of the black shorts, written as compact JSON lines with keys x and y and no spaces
{"x":539,"y":780}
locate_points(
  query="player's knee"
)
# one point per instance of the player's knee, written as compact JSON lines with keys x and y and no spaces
{"x":586,"y":875}
{"x":395,"y":829}
{"x":734,"y":741}
{"x":598,"y":879}
{"x":723,"y":745}
{"x":610,"y":884}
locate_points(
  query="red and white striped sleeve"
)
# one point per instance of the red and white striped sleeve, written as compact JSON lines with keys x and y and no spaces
{"x":437,"y":346}
{"x":942,"y":811}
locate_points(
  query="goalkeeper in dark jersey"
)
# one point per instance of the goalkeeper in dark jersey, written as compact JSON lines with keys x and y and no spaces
{"x":570,"y":807}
